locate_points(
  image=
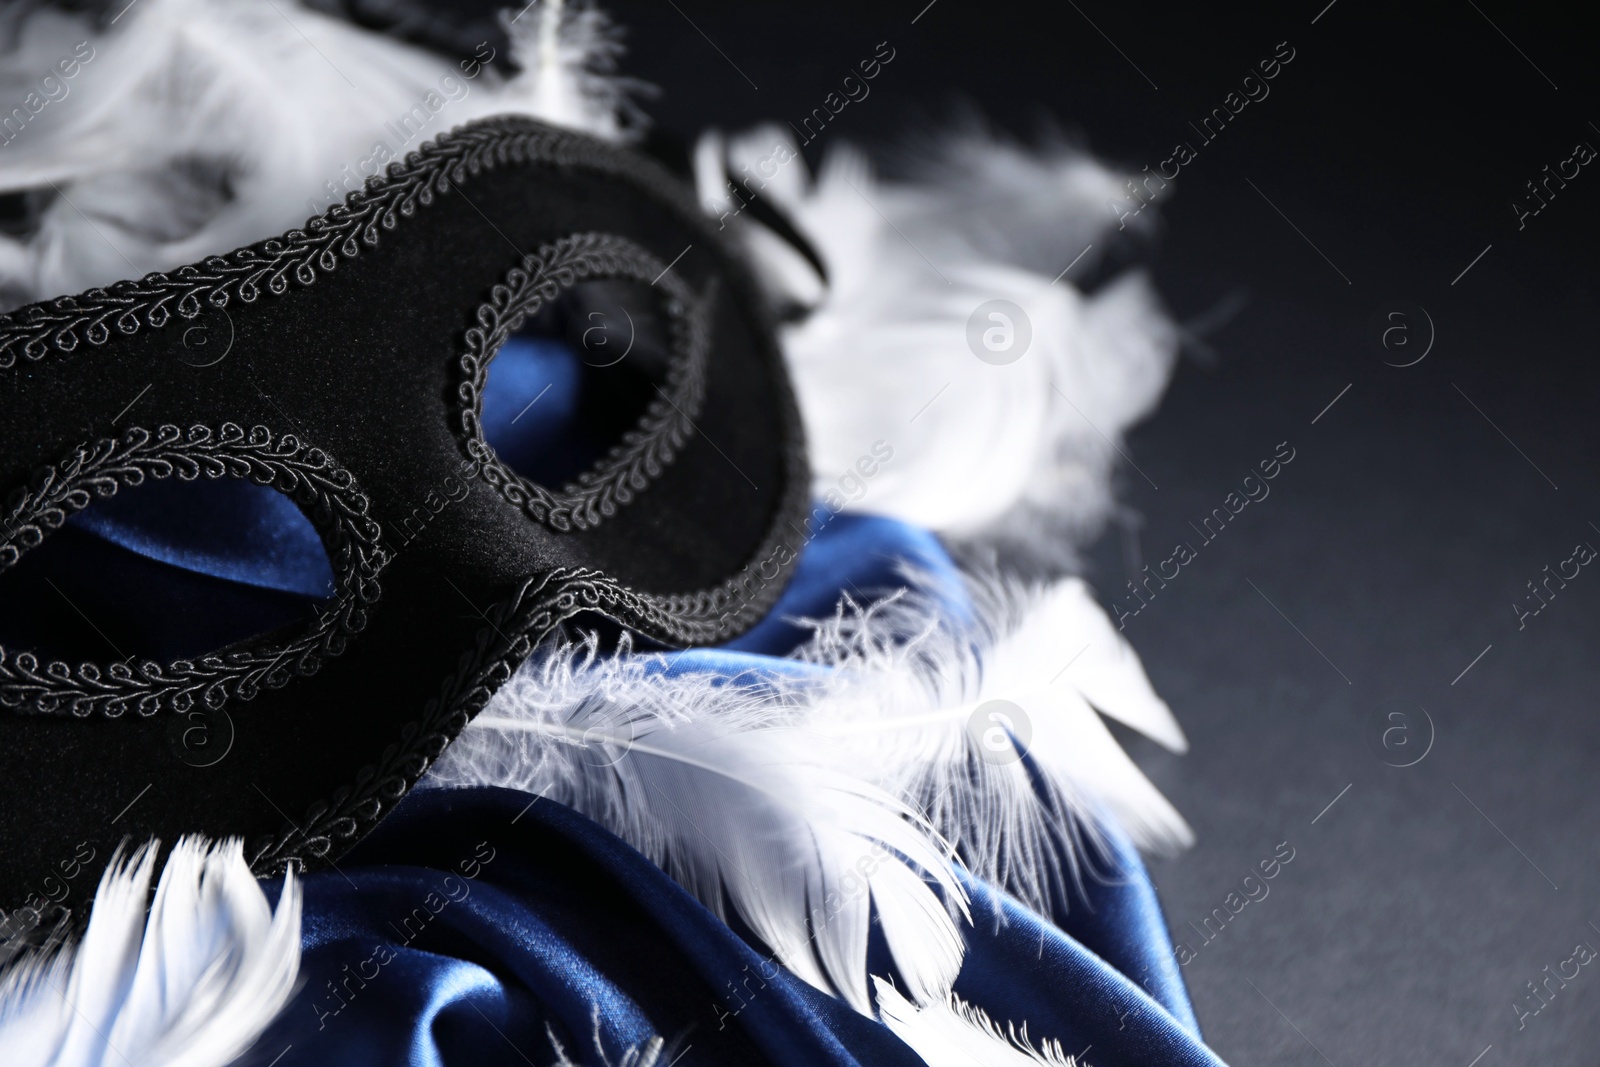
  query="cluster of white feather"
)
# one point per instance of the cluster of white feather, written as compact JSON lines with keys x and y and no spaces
{"x":200,"y":125}
{"x":192,"y":985}
{"x":812,"y":803}
{"x":817,"y":801}
{"x":1016,"y":453}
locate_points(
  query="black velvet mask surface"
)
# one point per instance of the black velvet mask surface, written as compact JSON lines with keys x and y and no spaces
{"x":345,"y":367}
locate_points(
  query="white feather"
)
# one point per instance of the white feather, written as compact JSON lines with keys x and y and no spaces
{"x":914,"y":692}
{"x":717,"y":783}
{"x":199,"y":126}
{"x":949,"y":1032}
{"x":884,"y":354}
{"x":192,"y":985}
{"x":569,"y":55}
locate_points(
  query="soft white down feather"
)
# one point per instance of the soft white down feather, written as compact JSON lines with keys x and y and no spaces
{"x":192,"y":985}
{"x":1024,"y":439}
{"x":198,"y":126}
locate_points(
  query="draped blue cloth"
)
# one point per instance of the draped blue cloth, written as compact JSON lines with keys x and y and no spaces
{"x":488,"y":926}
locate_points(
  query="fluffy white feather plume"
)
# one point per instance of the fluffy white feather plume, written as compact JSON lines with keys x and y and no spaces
{"x":717,"y":783}
{"x":192,"y":985}
{"x":981,"y":450}
{"x":949,"y":1032}
{"x":803,"y":795}
{"x":197,"y":126}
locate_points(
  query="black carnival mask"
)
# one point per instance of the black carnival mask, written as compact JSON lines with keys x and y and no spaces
{"x":344,"y":366}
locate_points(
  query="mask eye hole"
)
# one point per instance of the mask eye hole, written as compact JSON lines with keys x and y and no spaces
{"x":632,"y":383}
{"x":564,"y":390}
{"x":106,"y":617}
{"x":166,"y":570}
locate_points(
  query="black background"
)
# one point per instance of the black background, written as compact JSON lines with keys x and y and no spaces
{"x":1407,"y":525}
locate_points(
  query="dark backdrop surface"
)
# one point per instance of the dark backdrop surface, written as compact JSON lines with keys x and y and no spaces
{"x":1361,"y":616}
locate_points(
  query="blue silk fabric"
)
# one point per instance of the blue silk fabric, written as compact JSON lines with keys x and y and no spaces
{"x":488,"y":926}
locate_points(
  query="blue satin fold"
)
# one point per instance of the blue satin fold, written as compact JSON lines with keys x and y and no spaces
{"x":474,"y":928}
{"x":485,"y":926}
